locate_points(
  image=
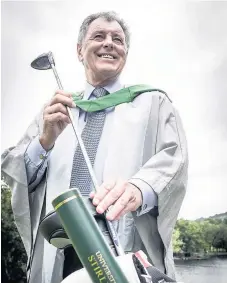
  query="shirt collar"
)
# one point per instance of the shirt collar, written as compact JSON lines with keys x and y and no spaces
{"x":112,"y":87}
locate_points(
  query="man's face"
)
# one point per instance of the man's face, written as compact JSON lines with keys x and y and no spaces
{"x":103,"y":51}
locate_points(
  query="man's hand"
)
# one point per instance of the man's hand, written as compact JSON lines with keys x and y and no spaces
{"x":55,"y":118}
{"x":121,"y":196}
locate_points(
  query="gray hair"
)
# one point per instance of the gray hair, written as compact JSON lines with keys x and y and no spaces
{"x":108,"y":16}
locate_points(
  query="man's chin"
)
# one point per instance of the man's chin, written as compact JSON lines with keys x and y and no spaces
{"x":107,"y":72}
{"x":103,"y":75}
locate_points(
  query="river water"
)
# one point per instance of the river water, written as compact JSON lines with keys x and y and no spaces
{"x":212,"y":270}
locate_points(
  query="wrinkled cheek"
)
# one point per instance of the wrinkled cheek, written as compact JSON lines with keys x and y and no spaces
{"x":86,"y":65}
{"x":89,"y":63}
{"x":122,"y":64}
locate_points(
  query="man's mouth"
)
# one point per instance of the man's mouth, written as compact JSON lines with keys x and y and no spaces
{"x":107,"y":56}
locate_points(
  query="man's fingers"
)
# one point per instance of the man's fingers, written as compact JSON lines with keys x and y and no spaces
{"x":63,"y":92}
{"x":58,"y":107}
{"x":111,"y":197}
{"x":122,"y":206}
{"x":119,"y":199}
{"x":57,"y":117}
{"x":102,"y":191}
{"x":92,"y":194}
{"x":129,"y":208}
{"x":63,"y":99}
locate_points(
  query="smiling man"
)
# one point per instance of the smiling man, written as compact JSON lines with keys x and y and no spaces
{"x":103,"y":63}
{"x":137,"y":150}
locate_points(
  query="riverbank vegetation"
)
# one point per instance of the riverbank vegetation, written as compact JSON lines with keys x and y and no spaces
{"x":203,"y":236}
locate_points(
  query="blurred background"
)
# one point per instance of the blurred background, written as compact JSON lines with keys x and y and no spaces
{"x":178,"y":46}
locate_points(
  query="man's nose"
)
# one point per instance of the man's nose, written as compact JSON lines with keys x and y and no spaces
{"x":108,"y":42}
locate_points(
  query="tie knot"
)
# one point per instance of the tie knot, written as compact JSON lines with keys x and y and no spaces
{"x":99,"y":92}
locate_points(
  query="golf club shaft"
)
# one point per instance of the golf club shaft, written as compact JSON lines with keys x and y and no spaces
{"x":81,"y":144}
{"x":113,"y":233}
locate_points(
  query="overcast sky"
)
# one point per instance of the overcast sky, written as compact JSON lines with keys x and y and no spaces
{"x":180,"y":47}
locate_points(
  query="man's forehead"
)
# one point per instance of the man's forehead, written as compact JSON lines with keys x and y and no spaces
{"x":104,"y":25}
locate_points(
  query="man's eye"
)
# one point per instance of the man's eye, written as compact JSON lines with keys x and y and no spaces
{"x":98,"y":37}
{"x":117,"y":39}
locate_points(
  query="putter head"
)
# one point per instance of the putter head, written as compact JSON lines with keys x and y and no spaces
{"x":43,"y":61}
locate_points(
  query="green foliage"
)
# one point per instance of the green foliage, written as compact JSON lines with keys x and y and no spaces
{"x":204,"y":235}
{"x":177,"y":242}
{"x":220,"y":239}
{"x":13,"y":253}
{"x":190,"y":235}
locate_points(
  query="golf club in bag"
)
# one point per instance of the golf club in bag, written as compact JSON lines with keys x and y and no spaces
{"x":74,"y":222}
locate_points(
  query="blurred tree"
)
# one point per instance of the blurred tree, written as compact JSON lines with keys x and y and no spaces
{"x":191,"y":235}
{"x":13,"y":262}
{"x":177,"y":243}
{"x":200,"y":236}
{"x":220,"y":239}
{"x":215,"y":221}
{"x":209,"y":231}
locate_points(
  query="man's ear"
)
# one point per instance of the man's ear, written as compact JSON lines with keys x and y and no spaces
{"x":79,"y":53}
